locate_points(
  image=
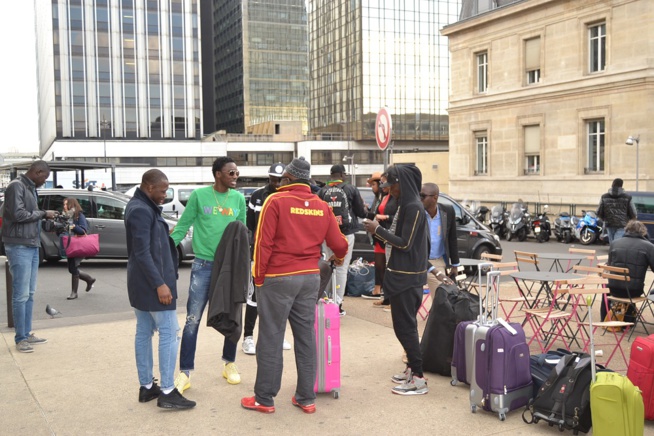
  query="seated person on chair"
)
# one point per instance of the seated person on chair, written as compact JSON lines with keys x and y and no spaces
{"x":635,"y":252}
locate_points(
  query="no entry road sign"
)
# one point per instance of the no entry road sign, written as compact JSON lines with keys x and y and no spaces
{"x":383,"y":127}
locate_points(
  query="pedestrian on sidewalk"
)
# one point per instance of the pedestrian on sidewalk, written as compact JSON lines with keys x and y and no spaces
{"x":616,"y":208}
{"x":21,"y":235}
{"x":407,"y":243}
{"x":152,"y":289}
{"x":77,"y":226}
{"x":293,"y":224}
{"x":209,"y":210}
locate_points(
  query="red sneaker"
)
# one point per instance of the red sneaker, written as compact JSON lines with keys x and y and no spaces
{"x":311,"y":408}
{"x":250,"y":403}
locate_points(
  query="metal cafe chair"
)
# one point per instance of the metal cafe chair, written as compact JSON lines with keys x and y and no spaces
{"x":641,"y":302}
{"x":526,"y":258}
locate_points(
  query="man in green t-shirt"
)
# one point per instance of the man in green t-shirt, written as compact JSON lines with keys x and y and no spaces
{"x":209,"y":210}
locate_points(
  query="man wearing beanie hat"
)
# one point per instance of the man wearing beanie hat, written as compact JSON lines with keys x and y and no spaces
{"x":347,"y":205}
{"x":292,"y":227}
{"x":254,"y":209}
{"x":616,"y":209}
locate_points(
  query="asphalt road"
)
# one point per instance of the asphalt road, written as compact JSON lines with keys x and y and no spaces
{"x":108,"y":299}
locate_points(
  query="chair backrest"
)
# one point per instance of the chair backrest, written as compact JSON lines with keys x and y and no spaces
{"x":491,"y":257}
{"x":602,"y":259}
{"x":587,"y":286}
{"x":590,"y":254}
{"x":505,"y":268}
{"x":526,"y":257}
{"x":588,"y":270}
{"x":615,"y":273}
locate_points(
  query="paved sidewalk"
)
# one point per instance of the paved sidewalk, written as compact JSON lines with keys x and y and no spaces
{"x":83,"y":381}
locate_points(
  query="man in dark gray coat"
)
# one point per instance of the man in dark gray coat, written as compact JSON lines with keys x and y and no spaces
{"x":616,"y":209}
{"x":152,"y":290}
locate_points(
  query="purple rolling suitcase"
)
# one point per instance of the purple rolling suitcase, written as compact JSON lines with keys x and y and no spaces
{"x":463,"y":352}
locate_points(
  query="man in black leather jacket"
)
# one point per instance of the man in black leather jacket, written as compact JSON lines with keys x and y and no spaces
{"x":616,"y":209}
{"x":635,"y":252}
{"x":21,"y":234}
{"x":407,"y":251}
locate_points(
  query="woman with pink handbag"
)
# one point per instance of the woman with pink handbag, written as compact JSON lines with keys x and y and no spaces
{"x":77,"y":226}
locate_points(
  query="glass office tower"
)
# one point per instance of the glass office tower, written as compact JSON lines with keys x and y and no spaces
{"x":366,"y":54}
{"x":260,"y":63}
{"x":119,"y":69}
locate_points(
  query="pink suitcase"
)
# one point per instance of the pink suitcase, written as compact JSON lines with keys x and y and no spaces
{"x":328,"y":345}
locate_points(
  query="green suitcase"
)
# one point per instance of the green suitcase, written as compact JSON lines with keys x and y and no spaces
{"x":616,"y":406}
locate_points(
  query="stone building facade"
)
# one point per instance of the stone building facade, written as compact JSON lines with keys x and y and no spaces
{"x":545,"y":94}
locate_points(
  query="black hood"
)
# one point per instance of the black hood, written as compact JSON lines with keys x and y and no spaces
{"x":410,"y":179}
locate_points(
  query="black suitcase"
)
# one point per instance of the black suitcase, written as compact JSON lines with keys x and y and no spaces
{"x":451,"y":305}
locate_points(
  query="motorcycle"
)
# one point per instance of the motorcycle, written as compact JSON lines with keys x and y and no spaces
{"x":563,"y":228}
{"x":481,"y":213}
{"x":588,"y":228}
{"x":498,"y":221}
{"x":519,"y":223}
{"x":541,"y":226}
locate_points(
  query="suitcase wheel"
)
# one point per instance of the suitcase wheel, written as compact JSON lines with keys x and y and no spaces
{"x":337,"y":394}
{"x":502,"y":416}
{"x":453,"y":382}
{"x":473,"y":408}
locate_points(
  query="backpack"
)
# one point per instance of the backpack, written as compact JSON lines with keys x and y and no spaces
{"x":336,"y":198}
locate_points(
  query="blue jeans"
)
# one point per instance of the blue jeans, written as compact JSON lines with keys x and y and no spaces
{"x":198,"y":296}
{"x":147,"y":323}
{"x":24,"y":268}
{"x":614,"y":233}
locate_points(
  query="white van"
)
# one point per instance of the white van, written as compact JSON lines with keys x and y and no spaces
{"x":176,"y":198}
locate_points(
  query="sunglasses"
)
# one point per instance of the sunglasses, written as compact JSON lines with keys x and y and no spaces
{"x":423,"y":196}
{"x":233,"y":173}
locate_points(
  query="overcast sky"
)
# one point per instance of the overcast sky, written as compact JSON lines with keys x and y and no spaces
{"x":19,"y":130}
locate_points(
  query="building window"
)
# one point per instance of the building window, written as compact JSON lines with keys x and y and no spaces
{"x":532,"y":149}
{"x":482,"y":154}
{"x":532,"y":60}
{"x":482,"y":71}
{"x":596,"y":137}
{"x":597,"y":47}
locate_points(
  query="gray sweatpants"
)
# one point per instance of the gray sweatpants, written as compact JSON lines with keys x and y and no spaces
{"x":291,"y":298}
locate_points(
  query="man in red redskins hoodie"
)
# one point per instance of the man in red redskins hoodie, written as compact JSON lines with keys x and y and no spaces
{"x":292,"y":226}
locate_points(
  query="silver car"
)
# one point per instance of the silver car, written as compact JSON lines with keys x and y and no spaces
{"x":105,"y":213}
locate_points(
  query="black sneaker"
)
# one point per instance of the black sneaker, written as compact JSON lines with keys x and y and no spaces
{"x":146,"y":394}
{"x":341,"y":312}
{"x":174,"y":400}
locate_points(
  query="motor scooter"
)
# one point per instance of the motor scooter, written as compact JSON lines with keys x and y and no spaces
{"x":563,"y":228}
{"x":519,"y":222}
{"x":589,"y":227}
{"x":498,"y":221}
{"x":541,"y":226}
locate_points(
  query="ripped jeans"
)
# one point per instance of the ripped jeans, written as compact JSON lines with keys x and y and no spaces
{"x":198,"y":296}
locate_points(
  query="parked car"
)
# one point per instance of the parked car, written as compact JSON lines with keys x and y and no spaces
{"x":473,"y":237}
{"x":644,"y":202}
{"x":105,"y":212}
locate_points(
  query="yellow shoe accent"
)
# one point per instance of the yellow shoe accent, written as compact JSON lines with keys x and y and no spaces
{"x":182,"y":382}
{"x":230,"y":372}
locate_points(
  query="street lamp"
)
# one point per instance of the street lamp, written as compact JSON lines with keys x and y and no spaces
{"x":630,"y":141}
{"x":103,"y":125}
{"x":352,"y":168}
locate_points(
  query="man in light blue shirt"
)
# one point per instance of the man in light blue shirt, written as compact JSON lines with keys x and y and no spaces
{"x":444,"y":252}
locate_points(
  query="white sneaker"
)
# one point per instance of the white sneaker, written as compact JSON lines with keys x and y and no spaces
{"x":287,"y":345}
{"x":248,"y":345}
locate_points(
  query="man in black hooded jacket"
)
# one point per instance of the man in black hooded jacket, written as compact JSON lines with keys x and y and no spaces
{"x":407,"y":251}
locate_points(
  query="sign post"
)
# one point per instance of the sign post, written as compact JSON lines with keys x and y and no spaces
{"x":383,"y":130}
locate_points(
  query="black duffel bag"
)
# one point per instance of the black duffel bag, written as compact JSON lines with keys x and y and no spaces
{"x":451,"y":305}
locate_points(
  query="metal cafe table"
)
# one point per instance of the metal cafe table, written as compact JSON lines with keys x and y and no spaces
{"x":465,"y":261}
{"x":556,"y":259}
{"x":527,"y":282}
